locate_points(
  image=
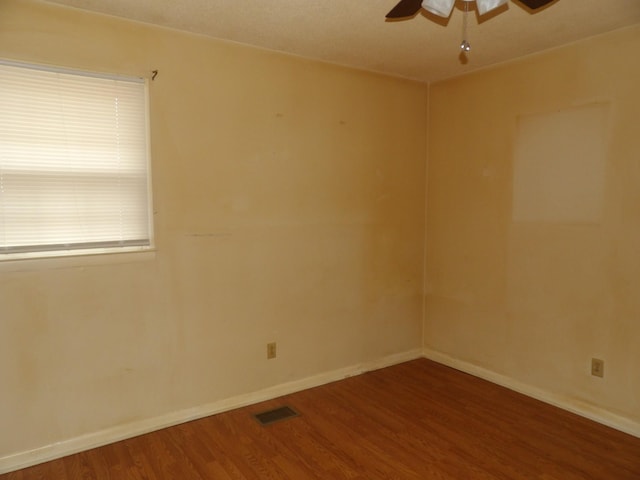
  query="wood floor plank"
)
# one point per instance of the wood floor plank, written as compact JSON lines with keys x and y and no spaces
{"x":414,"y":421}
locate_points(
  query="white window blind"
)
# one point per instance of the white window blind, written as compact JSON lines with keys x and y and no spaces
{"x":73,"y":162}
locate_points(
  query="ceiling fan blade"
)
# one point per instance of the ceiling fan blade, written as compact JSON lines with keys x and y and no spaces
{"x":406,"y":8}
{"x":533,"y":4}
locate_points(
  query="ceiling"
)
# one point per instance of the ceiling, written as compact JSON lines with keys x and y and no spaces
{"x":355,"y":32}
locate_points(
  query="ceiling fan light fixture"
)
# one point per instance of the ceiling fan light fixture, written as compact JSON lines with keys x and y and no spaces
{"x":442,"y":8}
{"x":485,"y":6}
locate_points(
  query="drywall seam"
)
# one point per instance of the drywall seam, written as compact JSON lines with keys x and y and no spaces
{"x":592,"y":412}
{"x":70,"y":446}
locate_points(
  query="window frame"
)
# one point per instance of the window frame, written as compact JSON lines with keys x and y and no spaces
{"x":76,"y":248}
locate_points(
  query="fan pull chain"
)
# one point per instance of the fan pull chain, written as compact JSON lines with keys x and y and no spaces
{"x":465,"y":46}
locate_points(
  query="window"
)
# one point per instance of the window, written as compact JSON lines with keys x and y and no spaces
{"x":74,"y":176}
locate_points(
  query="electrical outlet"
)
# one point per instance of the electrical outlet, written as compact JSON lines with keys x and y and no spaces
{"x":597,"y":367}
{"x":271,"y":350}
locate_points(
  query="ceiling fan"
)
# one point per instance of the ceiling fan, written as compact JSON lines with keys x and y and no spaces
{"x":443,"y":8}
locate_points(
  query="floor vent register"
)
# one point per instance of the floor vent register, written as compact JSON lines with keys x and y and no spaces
{"x":275,"y":415}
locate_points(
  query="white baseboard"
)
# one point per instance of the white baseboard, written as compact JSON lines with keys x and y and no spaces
{"x":70,"y":446}
{"x":592,"y":412}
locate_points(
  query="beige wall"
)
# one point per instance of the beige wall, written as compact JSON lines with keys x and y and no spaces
{"x":289,"y":199}
{"x":533,"y":289}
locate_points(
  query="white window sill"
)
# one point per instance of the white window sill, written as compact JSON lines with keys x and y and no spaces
{"x":74,"y":259}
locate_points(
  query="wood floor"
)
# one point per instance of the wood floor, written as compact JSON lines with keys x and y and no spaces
{"x":418,"y":420}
